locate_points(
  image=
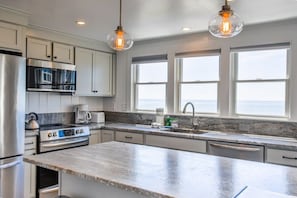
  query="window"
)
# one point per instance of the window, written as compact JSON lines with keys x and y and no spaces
{"x":150,"y":80}
{"x":261,"y":81}
{"x":198,"y":82}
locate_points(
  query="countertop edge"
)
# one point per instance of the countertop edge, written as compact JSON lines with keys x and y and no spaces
{"x":107,"y":182}
{"x":276,"y":144}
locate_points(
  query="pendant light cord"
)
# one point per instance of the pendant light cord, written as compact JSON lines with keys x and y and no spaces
{"x":121,"y":13}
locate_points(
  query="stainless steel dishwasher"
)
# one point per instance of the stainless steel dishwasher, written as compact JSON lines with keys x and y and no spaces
{"x":236,"y":150}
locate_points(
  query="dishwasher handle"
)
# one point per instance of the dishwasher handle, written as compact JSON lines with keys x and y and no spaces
{"x":238,"y":148}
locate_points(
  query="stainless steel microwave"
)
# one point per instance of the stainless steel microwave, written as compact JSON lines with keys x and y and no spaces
{"x":50,"y":76}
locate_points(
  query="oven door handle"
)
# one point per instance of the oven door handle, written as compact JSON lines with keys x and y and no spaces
{"x":49,"y":190}
{"x":64,"y":143}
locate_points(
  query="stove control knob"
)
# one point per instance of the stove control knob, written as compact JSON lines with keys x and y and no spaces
{"x":77,"y":131}
{"x":49,"y":135}
{"x":81,"y":131}
{"x":55,"y":134}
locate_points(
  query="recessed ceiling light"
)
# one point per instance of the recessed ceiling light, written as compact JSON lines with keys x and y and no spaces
{"x":80,"y":22}
{"x":185,"y":29}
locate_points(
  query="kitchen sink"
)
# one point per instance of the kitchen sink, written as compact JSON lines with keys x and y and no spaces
{"x":183,"y":130}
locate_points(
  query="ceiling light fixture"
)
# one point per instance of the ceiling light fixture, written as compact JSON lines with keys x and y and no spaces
{"x":226,"y":24}
{"x":185,"y":29}
{"x":80,"y":22}
{"x":118,"y":39}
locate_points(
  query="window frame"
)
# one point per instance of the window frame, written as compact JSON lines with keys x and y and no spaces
{"x":180,"y":82}
{"x":135,"y":82}
{"x":234,"y":66}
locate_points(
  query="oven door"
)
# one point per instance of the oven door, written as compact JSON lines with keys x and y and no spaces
{"x":47,"y":180}
{"x":47,"y":183}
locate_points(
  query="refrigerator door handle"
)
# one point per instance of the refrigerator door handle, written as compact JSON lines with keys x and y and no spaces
{"x":10,"y":164}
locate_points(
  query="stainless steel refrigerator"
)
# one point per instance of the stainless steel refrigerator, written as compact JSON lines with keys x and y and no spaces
{"x":12,"y":119}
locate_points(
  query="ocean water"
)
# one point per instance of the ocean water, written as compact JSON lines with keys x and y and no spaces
{"x":269,"y":108}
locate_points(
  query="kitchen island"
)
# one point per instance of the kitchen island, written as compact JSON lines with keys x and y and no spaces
{"x":123,"y":170}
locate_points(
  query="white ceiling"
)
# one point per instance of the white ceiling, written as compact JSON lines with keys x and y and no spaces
{"x":144,"y":19}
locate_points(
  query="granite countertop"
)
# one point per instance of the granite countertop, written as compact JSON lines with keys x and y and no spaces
{"x":163,"y":173}
{"x":269,"y":141}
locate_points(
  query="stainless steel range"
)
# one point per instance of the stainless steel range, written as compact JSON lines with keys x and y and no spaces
{"x":53,"y":138}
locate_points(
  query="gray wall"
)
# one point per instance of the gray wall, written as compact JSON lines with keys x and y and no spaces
{"x":260,"y":34}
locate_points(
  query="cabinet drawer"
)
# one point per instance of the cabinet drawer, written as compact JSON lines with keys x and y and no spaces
{"x":129,"y":137}
{"x":30,"y":143}
{"x":176,"y":143}
{"x":283,"y":157}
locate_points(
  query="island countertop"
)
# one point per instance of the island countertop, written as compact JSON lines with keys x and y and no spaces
{"x":159,"y":172}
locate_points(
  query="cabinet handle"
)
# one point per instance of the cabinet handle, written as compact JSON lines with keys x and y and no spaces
{"x":224,"y":146}
{"x":290,"y":158}
{"x":128,"y":137}
{"x":48,"y":56}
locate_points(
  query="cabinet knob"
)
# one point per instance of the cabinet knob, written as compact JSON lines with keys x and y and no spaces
{"x":95,"y":91}
{"x":48,"y":56}
{"x":55,"y":57}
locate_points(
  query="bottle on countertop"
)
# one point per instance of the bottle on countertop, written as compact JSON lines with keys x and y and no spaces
{"x":160,"y":116}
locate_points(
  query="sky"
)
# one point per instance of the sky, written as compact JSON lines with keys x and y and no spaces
{"x":268,"y":64}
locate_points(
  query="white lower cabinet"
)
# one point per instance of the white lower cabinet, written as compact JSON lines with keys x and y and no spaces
{"x":30,"y":169}
{"x":95,"y":137}
{"x":176,"y":143}
{"x":107,"y":136}
{"x":283,"y":157}
{"x":135,"y":138}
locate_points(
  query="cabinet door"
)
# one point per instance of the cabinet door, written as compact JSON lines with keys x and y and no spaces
{"x":63,"y":53}
{"x":10,"y":36}
{"x":282,"y":157}
{"x":30,"y":169}
{"x":107,"y":136}
{"x":30,"y":180}
{"x":103,"y":74}
{"x":39,"y":49}
{"x":95,"y":137}
{"x":84,"y":67}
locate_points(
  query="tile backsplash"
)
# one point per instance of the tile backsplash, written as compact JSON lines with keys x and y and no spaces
{"x":262,"y":127}
{"x":46,"y":102}
{"x":55,"y":118}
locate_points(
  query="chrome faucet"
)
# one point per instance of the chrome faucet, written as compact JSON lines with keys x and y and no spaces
{"x":195,"y":124}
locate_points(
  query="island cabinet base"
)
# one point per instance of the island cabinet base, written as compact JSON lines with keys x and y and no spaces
{"x":76,"y":187}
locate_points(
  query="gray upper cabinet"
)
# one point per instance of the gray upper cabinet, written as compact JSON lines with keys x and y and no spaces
{"x":47,"y":50}
{"x":10,"y":36}
{"x":94,"y":73}
{"x":63,"y":53}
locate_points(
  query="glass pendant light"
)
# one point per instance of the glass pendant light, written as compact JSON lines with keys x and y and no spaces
{"x":226,"y":24}
{"x":118,"y":39}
